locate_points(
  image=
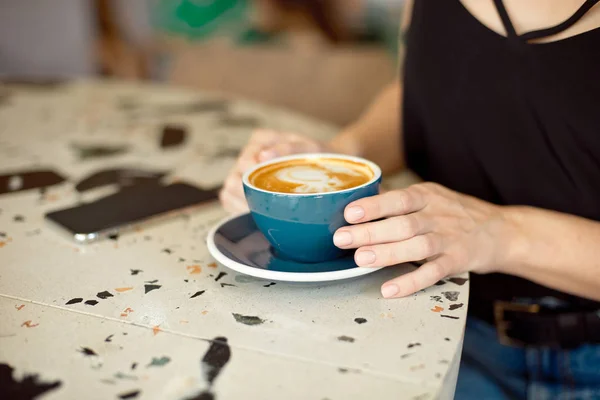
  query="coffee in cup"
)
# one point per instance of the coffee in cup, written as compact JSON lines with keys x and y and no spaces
{"x":311,"y":175}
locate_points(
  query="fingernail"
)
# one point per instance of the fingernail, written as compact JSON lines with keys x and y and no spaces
{"x":354,"y":213}
{"x":388,"y":291}
{"x":365,"y":258}
{"x":342,"y":239}
{"x":266,"y":155}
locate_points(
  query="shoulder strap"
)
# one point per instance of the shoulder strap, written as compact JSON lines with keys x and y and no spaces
{"x":563,"y":25}
{"x":510,"y":29}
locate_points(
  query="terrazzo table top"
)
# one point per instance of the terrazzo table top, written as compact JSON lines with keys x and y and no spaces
{"x":149,"y":314}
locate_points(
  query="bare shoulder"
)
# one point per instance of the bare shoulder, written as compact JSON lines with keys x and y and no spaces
{"x":406,"y":14}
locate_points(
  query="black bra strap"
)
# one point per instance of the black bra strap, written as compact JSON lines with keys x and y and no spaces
{"x":562,"y":26}
{"x":510,"y":29}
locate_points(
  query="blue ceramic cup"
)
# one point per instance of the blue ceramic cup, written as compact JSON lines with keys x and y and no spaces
{"x":300,"y":226}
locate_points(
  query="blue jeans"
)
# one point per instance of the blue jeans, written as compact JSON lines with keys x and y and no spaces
{"x":492,"y":371}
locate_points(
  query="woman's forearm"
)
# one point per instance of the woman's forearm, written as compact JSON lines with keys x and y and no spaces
{"x":556,"y":250}
{"x":376,"y":134}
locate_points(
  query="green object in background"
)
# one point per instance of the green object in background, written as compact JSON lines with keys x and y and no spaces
{"x":206,"y":19}
{"x":202,"y":15}
{"x":201,"y":19}
{"x":383,"y":23}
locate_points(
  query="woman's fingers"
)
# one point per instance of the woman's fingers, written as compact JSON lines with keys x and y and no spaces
{"x":389,"y":230}
{"x":414,"y":249}
{"x":396,"y":202}
{"x":233,"y":185}
{"x":421,"y":278}
{"x":233,"y":204}
{"x":264,"y":145}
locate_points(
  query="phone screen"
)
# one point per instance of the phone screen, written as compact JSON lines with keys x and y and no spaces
{"x":112,"y":214}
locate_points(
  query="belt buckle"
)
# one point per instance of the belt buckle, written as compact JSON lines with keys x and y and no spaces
{"x":502,"y":326}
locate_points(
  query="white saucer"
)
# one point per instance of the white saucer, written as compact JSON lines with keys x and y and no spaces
{"x":237,"y":244}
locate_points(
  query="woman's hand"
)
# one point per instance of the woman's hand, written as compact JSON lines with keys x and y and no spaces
{"x":451,"y":232}
{"x":264,"y":145}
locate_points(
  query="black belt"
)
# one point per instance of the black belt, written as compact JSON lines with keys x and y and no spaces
{"x":534,"y":325}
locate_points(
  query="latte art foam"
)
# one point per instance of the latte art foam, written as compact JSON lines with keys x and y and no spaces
{"x":319,"y":175}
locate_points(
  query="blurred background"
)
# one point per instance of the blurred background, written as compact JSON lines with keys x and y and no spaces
{"x":323,"y":58}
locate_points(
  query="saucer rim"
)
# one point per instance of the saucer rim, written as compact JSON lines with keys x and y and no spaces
{"x":277,"y":275}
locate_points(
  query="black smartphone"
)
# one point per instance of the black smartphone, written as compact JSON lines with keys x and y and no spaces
{"x":119,"y":212}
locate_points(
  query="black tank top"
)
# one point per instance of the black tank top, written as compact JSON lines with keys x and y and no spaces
{"x":507,"y":121}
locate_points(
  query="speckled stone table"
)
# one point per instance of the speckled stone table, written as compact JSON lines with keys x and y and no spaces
{"x":149,"y":314}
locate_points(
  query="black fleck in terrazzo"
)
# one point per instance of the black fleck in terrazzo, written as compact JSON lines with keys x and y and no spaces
{"x":104,"y":295}
{"x":248,"y":319}
{"x":458,"y":281}
{"x":451,"y":296}
{"x":132,"y":394}
{"x":198,"y":293}
{"x":202,"y":396}
{"x":74,"y":301}
{"x":173,"y":135}
{"x":114,"y":236}
{"x":448,"y":316}
{"x":221,"y":275}
{"x":29,"y":386}
{"x":149,"y":288}
{"x":214,"y":360}
{"x":86,"y":351}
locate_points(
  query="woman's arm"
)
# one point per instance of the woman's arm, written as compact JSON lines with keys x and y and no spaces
{"x":376,"y":135}
{"x":555,"y":250}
